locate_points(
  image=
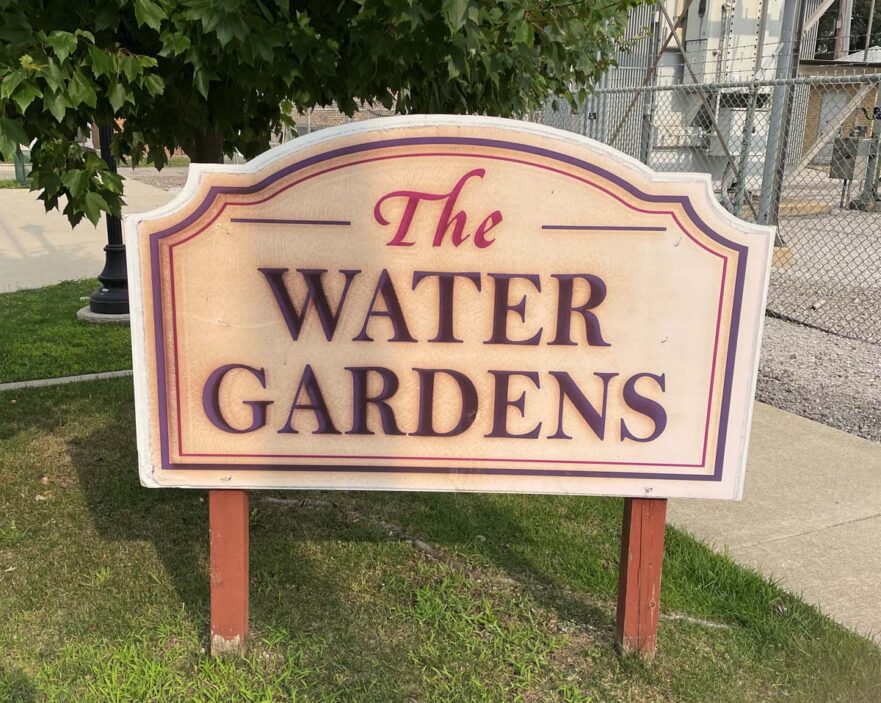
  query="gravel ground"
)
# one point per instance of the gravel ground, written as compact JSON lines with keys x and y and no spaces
{"x":830,"y":379}
{"x":833,"y":277}
{"x":171,"y":178}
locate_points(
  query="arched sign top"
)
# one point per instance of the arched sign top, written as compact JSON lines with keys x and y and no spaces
{"x":446,"y":303}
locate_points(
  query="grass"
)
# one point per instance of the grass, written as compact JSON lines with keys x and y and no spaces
{"x":9,"y":183}
{"x":103,"y":587}
{"x":361,"y":596}
{"x":40,"y":336}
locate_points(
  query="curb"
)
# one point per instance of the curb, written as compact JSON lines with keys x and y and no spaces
{"x":40,"y":383}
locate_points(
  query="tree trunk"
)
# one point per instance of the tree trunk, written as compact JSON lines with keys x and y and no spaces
{"x":206,"y":148}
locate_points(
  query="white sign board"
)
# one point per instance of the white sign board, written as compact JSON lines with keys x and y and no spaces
{"x":446,"y":303}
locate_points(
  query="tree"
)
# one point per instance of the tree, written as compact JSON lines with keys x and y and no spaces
{"x":214,"y":76}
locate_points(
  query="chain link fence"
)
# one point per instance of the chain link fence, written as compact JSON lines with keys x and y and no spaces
{"x":817,"y":181}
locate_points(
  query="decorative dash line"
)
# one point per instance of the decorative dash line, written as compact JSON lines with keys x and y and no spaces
{"x":270,"y":221}
{"x":603,"y":228}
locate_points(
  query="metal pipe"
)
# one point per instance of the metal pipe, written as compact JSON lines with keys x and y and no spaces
{"x":648,"y":100}
{"x":809,"y":23}
{"x":746,"y":142}
{"x":790,"y":99}
{"x":866,"y":199}
{"x":777,"y":120}
{"x":869,"y":32}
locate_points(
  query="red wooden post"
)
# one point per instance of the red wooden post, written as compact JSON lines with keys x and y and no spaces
{"x":639,"y":574}
{"x":228,"y":523}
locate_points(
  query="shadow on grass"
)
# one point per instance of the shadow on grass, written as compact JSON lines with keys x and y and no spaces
{"x":514,"y":534}
{"x":16,"y":686}
{"x":175,"y":522}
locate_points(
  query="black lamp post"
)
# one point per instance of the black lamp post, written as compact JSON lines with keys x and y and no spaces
{"x":112,"y":297}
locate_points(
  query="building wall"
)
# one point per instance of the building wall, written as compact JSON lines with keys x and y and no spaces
{"x":860,"y":117}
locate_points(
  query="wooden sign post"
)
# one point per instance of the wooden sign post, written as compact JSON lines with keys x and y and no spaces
{"x":446,"y":304}
{"x":639,"y":574}
{"x":229,"y":538}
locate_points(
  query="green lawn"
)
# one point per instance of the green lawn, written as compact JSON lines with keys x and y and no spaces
{"x":40,"y":336}
{"x":367,"y":597}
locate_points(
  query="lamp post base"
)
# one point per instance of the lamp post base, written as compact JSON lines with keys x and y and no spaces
{"x":86,"y":315}
{"x":112,"y":297}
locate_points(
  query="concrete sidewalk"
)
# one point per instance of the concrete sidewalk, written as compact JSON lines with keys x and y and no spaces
{"x":38,"y":247}
{"x":810,"y":517}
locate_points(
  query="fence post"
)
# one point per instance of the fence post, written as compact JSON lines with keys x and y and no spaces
{"x":745,"y":145}
{"x":781,"y":105}
{"x":648,"y":99}
{"x":866,"y":199}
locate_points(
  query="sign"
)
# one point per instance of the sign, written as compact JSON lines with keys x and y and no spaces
{"x":446,"y":303}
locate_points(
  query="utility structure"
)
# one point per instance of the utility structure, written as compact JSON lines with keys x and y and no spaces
{"x":733,"y":114}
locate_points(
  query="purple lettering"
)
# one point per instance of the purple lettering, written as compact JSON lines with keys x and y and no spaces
{"x":315,"y":294}
{"x":445,"y":288}
{"x":565,"y":309}
{"x":468,"y":411}
{"x":568,"y":389}
{"x":211,"y":399}
{"x":646,"y":406}
{"x":316,"y":404}
{"x":502,"y":306}
{"x":361,"y":399}
{"x":502,"y":402}
{"x":393,"y":312}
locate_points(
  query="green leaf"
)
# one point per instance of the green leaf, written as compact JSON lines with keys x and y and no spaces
{"x":11,"y":135}
{"x":116,"y":96}
{"x":76,"y":181}
{"x":62,"y":43}
{"x":81,"y":90}
{"x":112,"y":181}
{"x":102,"y":62}
{"x":455,"y":10}
{"x":200,"y":80}
{"x":149,"y":13}
{"x":93,"y":204}
{"x":154,"y":85}
{"x":54,"y":75}
{"x":56,"y":104}
{"x":107,"y":16}
{"x":525,"y":34}
{"x":174,"y":44}
{"x":26,"y":94}
{"x":130,"y":67}
{"x":10,"y":82}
